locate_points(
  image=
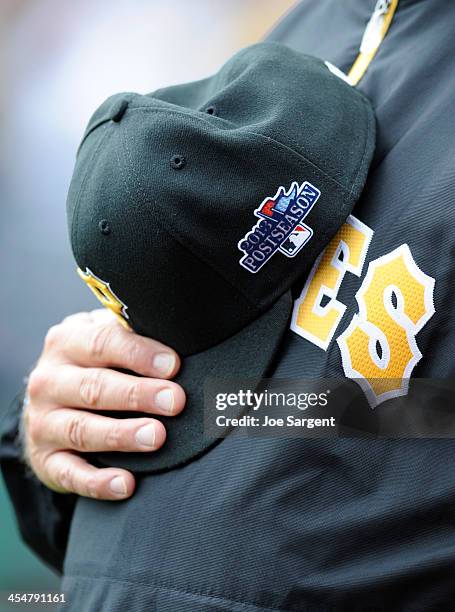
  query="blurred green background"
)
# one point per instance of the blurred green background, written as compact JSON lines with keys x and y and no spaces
{"x":20,"y":570}
{"x":58,"y":61}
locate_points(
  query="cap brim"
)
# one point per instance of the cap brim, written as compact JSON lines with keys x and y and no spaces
{"x":248,"y":354}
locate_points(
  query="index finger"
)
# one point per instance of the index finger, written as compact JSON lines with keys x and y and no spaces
{"x":105,"y":343}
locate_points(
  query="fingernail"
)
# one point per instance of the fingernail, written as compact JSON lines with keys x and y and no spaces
{"x":118,"y":486}
{"x":145,"y":436}
{"x":164,"y":363}
{"x":164,"y":400}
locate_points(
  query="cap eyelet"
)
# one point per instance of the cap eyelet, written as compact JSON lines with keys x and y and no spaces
{"x":178,"y":162}
{"x":104,"y":227}
{"x":210,"y":110}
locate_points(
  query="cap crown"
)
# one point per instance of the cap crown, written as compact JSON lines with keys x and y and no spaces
{"x":185,"y":200}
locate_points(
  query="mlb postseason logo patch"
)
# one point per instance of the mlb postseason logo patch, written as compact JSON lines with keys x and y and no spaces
{"x":280,"y":226}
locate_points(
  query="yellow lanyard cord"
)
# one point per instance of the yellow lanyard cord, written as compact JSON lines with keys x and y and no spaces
{"x":372,"y":38}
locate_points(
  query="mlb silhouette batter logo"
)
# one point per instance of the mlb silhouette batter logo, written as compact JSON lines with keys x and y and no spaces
{"x":280,"y":226}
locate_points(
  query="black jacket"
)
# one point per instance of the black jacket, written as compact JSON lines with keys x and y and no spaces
{"x":260,"y":525}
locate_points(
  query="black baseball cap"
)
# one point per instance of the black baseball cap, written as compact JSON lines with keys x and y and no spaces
{"x":194,"y":210}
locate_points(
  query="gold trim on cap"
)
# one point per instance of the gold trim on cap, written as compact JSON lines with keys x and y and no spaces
{"x":106,"y":296}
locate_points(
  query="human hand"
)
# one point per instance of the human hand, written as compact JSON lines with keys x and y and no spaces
{"x":71,"y":379}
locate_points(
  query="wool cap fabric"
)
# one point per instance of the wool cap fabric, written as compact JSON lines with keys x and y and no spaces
{"x":194,"y":210}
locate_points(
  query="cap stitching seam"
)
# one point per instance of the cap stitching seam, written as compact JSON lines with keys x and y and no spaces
{"x":262,"y":136}
{"x":75,"y":216}
{"x":174,"y":235}
{"x":280,"y":144}
{"x":367,"y":140}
